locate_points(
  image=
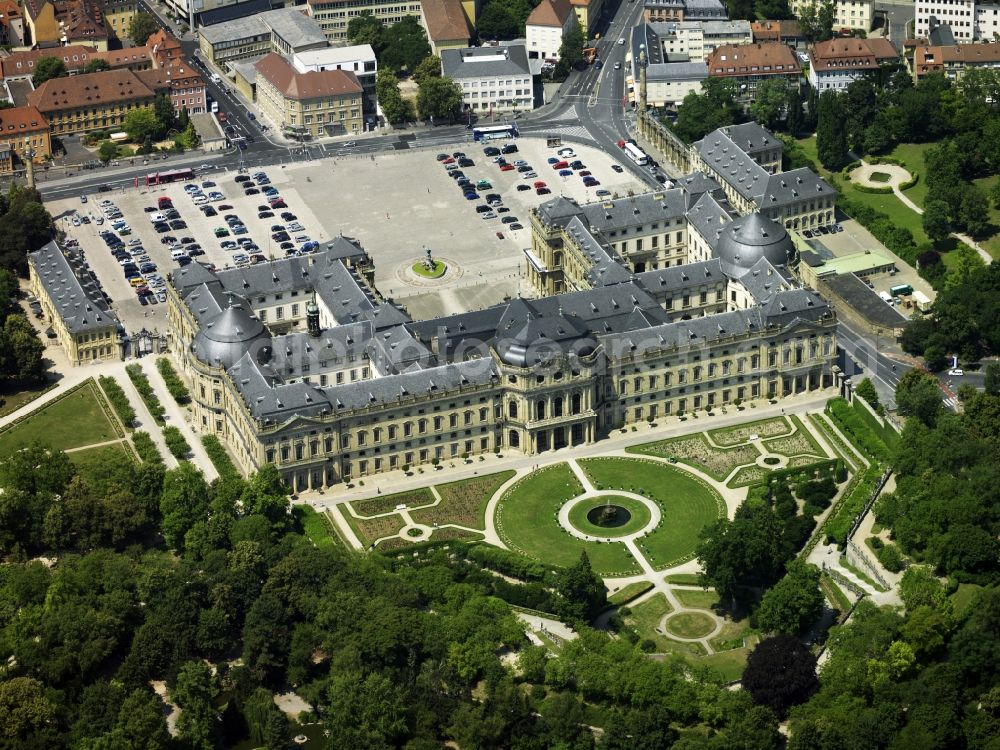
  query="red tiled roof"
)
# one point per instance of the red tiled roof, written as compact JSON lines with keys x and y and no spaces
{"x":90,"y":90}
{"x":550,"y":13}
{"x":445,"y":20}
{"x":25,"y":119}
{"x":312,"y":85}
{"x":767,"y":58}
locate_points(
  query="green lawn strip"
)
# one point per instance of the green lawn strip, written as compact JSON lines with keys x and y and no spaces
{"x":317,"y":527}
{"x":73,"y":420}
{"x":526,"y":519}
{"x":728,"y":664}
{"x":640,"y":516}
{"x":448,"y":534}
{"x":687,"y":579}
{"x":836,"y":442}
{"x":373,"y":506}
{"x":690,"y":625}
{"x":697,"y":598}
{"x":879,"y":177}
{"x":88,"y":459}
{"x":696,"y":451}
{"x":834,"y":594}
{"x":845,"y":563}
{"x":463,"y":502}
{"x":884,"y":430}
{"x":370,"y":530}
{"x":436,"y":273}
{"x":630,"y":592}
{"x":912,"y":157}
{"x":964,"y":596}
{"x":13,"y":397}
{"x":687,"y":503}
{"x":740,"y":433}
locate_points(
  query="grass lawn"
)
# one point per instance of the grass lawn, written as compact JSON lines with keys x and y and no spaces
{"x":687,"y":503}
{"x":436,"y":273}
{"x":373,"y":506}
{"x":697,"y":598}
{"x":372,"y":529}
{"x":638,"y":512}
{"x":689,"y":579}
{"x":729,"y":664}
{"x":690,"y":625}
{"x":316,"y":526}
{"x":630,"y":592}
{"x":464,"y":502}
{"x":13,"y":398}
{"x":912,"y":156}
{"x":526,"y":521}
{"x":992,"y":243}
{"x":879,"y":177}
{"x":90,"y":458}
{"x":963,"y":597}
{"x":73,"y":421}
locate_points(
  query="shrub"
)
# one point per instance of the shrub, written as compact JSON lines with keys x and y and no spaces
{"x":874,"y":190}
{"x":146,"y":448}
{"x":218,"y":456}
{"x":119,"y":401}
{"x":174,"y":384}
{"x":839,"y":523}
{"x":890,"y":557}
{"x":176,"y":443}
{"x":875,"y":543}
{"x":857,"y":431}
{"x":508,"y":563}
{"x":141,"y":383}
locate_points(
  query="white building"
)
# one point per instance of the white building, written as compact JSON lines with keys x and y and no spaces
{"x":697,"y":39}
{"x":847,"y":14}
{"x":493,"y":79}
{"x":358,"y":59}
{"x":970,"y":21}
{"x":546,"y":27}
{"x":668,"y":83}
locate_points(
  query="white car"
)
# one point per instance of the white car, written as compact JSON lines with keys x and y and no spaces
{"x":621,"y":41}
{"x":618,"y":66}
{"x":956,"y":371}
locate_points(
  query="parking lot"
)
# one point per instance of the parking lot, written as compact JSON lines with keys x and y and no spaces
{"x":396,"y":205}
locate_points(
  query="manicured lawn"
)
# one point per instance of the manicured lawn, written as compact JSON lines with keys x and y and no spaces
{"x":13,"y":398}
{"x":687,"y":503}
{"x":316,"y":526}
{"x":912,"y":156}
{"x":691,"y":579}
{"x":73,"y":421}
{"x":630,"y":592}
{"x":430,"y":273}
{"x":729,"y":664}
{"x":464,"y":502}
{"x":992,"y":243}
{"x":526,"y":519}
{"x":695,"y":450}
{"x":89,"y":458}
{"x":372,"y":529}
{"x":697,"y":598}
{"x":963,"y":597}
{"x":690,"y":625}
{"x":640,"y":516}
{"x":879,"y":177}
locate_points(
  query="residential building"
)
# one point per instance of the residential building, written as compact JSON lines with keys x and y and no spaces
{"x":970,"y":21}
{"x":73,"y":305}
{"x":184,"y":82}
{"x":92,"y":101}
{"x":301,"y":364}
{"x":493,"y":79}
{"x":23,"y":129}
{"x":955,"y":59}
{"x":317,"y":103}
{"x":53,"y":23}
{"x":787,"y":32}
{"x":675,"y":11}
{"x":447,"y":24}
{"x":695,"y":40}
{"x":847,"y":14}
{"x":118,"y":14}
{"x":548,"y":24}
{"x":835,"y":64}
{"x":749,"y":64}
{"x":12,"y":28}
{"x":334,"y":15}
{"x":668,"y":83}
{"x":285,"y":31}
{"x":746,"y":161}
{"x":588,"y":13}
{"x":357,"y":59}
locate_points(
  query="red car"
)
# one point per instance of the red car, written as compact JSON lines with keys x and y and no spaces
{"x":278,"y":203}
{"x":449,"y":160}
{"x":561,"y":165}
{"x":538,"y":185}
{"x":507,"y":168}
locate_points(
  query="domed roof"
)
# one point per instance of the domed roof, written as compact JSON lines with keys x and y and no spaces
{"x":224,"y":339}
{"x":748,"y":239}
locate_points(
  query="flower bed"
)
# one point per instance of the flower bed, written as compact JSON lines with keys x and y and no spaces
{"x":696,"y":451}
{"x":464,"y":502}
{"x":764,"y":428}
{"x":373,"y":506}
{"x":372,"y":529}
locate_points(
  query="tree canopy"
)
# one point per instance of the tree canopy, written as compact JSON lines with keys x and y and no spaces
{"x":47,"y":68}
{"x":404,"y":45}
{"x":142,"y":26}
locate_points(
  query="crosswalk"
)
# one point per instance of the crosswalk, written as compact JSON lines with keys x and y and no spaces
{"x":575,"y":131}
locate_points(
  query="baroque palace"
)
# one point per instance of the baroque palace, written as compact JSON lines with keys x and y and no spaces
{"x":648,"y":306}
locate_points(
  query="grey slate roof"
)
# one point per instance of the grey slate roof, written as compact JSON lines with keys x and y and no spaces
{"x":290,"y":24}
{"x":78,"y":302}
{"x":674,"y":279}
{"x":751,"y":136}
{"x":736,"y":167}
{"x":677,"y":71}
{"x":796,"y":185}
{"x":482,"y":62}
{"x":606,"y":267}
{"x":709,"y":216}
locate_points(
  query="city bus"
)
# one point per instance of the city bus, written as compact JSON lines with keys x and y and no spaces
{"x":636,"y":154}
{"x":173,"y":175}
{"x":492,"y":132}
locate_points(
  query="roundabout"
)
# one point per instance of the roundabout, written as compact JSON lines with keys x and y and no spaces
{"x":435,"y":270}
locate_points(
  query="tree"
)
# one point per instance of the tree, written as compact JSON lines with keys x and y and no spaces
{"x":866,"y":389}
{"x":395,"y":108}
{"x":780,"y":673}
{"x":366,"y":29}
{"x":582,"y":591}
{"x":183,"y":503}
{"x":991,"y":383}
{"x":141,"y":27}
{"x":429,"y":67}
{"x":27,"y":715}
{"x":918,"y":396}
{"x":47,"y":68}
{"x":22,"y":350}
{"x":769,"y":102}
{"x":195,"y":692}
{"x":816,"y":20}
{"x":497,"y":21}
{"x":107,"y":151}
{"x":714,"y":107}
{"x":188,"y":138}
{"x":831,"y":132}
{"x":965,"y":263}
{"x":935,"y":220}
{"x":571,"y":48}
{"x":141,"y":124}
{"x":974,"y":211}
{"x":796,"y":118}
{"x":794,"y":603}
{"x":96,"y":66}
{"x":404,"y":45}
{"x":440,"y":99}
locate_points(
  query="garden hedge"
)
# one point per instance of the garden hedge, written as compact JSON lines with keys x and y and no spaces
{"x":174,"y":384}
{"x":141,"y":383}
{"x":118,"y":400}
